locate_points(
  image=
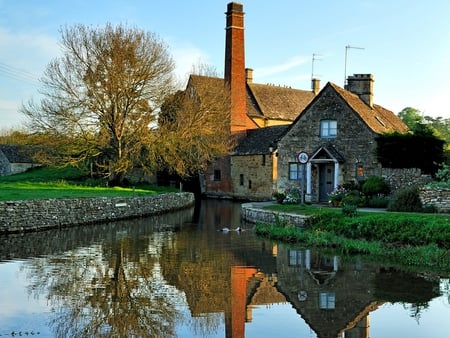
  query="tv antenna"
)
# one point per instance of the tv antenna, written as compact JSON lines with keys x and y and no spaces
{"x":345,"y":66}
{"x":314,"y":58}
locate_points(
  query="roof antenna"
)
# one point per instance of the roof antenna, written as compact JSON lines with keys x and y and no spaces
{"x":345,"y":66}
{"x":314,"y":58}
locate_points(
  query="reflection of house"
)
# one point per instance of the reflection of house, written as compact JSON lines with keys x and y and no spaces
{"x":335,"y":299}
{"x":337,"y":130}
{"x":15,"y":159}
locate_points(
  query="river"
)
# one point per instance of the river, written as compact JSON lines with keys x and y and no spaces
{"x":179,"y":275}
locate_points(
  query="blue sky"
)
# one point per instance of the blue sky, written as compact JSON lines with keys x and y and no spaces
{"x":406,"y":44}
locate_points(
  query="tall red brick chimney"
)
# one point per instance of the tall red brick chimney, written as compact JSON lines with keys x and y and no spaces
{"x":235,"y":74}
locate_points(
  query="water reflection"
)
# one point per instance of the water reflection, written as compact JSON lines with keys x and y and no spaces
{"x":178,"y":275}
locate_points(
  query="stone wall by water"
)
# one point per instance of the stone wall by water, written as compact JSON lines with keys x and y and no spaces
{"x":35,"y":215}
{"x":439,"y":198}
{"x":254,"y":214}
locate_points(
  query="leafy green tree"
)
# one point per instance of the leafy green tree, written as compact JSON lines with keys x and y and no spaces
{"x":410,"y":116}
{"x":101,"y":98}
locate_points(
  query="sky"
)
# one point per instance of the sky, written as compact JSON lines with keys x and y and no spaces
{"x":405,"y":44}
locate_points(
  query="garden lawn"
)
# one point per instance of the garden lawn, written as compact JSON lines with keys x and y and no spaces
{"x":47,"y":183}
{"x":407,"y":238}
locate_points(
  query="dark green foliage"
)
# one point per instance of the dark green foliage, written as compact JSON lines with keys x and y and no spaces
{"x":349,"y":210}
{"x":422,"y":151}
{"x":406,"y":199}
{"x":377,"y":202}
{"x":375,"y":185}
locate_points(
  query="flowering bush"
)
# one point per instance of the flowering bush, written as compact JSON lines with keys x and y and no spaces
{"x":291,"y":195}
{"x":336,"y":197}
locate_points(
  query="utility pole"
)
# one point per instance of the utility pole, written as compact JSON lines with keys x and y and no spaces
{"x":345,"y":66}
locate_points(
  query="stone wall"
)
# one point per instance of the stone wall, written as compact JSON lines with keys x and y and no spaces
{"x":399,"y":178}
{"x":35,"y":215}
{"x":439,"y":198}
{"x":255,"y":214}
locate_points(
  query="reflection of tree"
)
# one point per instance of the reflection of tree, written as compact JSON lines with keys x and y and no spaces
{"x":113,"y":290}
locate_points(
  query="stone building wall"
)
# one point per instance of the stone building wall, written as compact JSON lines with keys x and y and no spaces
{"x":257,"y":176}
{"x":439,"y":198}
{"x":354,"y":141}
{"x":35,"y":215}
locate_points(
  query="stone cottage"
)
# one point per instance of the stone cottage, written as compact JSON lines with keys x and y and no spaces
{"x":249,"y":173}
{"x":15,"y":159}
{"x":336,"y":132}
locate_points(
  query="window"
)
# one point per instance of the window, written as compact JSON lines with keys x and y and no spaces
{"x":327,"y":300}
{"x":249,"y":184}
{"x":217,"y":175}
{"x":241,"y":179}
{"x":263,"y":159}
{"x":328,"y":128}
{"x":295,"y":171}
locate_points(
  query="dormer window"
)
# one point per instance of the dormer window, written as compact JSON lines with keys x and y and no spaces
{"x":328,"y":128}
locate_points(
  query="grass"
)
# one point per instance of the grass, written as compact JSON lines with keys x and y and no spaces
{"x":410,"y":239}
{"x":47,"y":183}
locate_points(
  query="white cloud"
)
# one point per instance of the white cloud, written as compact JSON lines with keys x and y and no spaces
{"x":283,"y":67}
{"x":185,"y":58}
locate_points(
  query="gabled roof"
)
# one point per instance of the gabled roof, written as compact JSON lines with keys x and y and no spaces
{"x":276,"y":102}
{"x":326,"y":153}
{"x":379,"y":119}
{"x":258,"y":141}
{"x":17,"y":153}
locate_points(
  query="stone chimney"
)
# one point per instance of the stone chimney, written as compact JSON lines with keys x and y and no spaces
{"x":235,"y":74}
{"x":315,"y":86}
{"x":361,"y":85}
{"x":249,"y":75}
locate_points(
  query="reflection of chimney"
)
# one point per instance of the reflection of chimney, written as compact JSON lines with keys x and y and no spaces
{"x":361,"y":85}
{"x":249,"y":75}
{"x":235,"y":65}
{"x":315,"y":85}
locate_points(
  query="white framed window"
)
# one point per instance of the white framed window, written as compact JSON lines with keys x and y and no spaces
{"x":327,"y":300}
{"x":295,"y":171}
{"x":328,"y":128}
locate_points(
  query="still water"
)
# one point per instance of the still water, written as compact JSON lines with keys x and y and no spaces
{"x":177,"y":275}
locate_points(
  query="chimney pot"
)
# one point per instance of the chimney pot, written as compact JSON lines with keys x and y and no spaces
{"x":315,"y":85}
{"x":361,"y":85}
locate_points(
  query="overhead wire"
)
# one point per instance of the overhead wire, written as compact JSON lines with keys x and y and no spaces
{"x":18,"y":74}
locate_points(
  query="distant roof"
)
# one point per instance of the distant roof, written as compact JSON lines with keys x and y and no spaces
{"x":259,"y":140}
{"x":277,"y":102}
{"x":379,"y":119}
{"x":17,"y":153}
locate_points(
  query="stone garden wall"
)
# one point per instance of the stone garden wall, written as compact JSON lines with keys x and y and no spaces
{"x":254,"y":214}
{"x":439,"y":198}
{"x":35,"y":215}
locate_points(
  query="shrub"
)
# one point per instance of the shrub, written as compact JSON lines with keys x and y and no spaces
{"x":353,"y":198}
{"x":375,"y":185}
{"x":349,"y":210}
{"x":406,"y":199}
{"x":378,"y":202}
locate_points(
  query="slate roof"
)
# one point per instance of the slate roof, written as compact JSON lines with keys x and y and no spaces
{"x":258,"y":141}
{"x":16,"y":153}
{"x":378,"y":119}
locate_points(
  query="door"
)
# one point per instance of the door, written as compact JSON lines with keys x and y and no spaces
{"x":326,"y":181}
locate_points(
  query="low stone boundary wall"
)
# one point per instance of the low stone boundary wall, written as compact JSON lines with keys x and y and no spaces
{"x":35,"y":215}
{"x":253,"y":214}
{"x":439,"y":198}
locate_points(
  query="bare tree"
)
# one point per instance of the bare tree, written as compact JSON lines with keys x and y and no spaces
{"x":194,"y":125}
{"x":101,"y":98}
